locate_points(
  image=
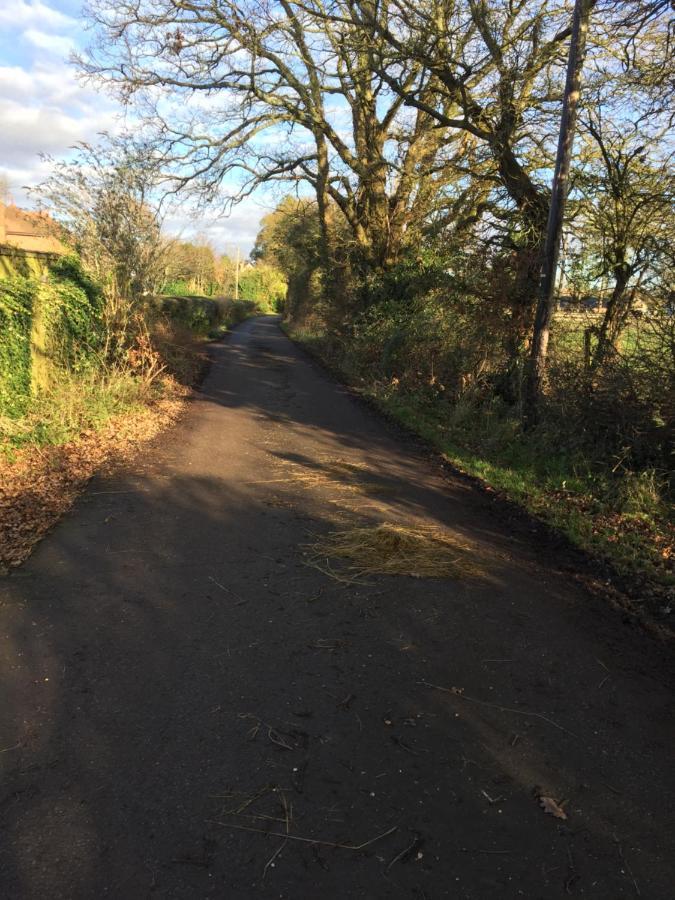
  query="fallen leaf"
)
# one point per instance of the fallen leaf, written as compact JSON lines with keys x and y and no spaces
{"x":550,"y":806}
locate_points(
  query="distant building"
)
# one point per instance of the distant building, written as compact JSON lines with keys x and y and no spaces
{"x":30,"y":232}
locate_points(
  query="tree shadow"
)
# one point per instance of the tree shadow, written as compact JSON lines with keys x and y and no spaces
{"x":173,"y":672}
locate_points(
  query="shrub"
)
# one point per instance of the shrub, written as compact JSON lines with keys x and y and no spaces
{"x":206,"y":316}
{"x":198,"y":314}
{"x":264,"y":285}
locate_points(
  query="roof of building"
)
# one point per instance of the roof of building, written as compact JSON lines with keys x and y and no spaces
{"x":22,"y":229}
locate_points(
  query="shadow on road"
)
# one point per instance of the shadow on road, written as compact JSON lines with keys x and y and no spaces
{"x":174,"y":672}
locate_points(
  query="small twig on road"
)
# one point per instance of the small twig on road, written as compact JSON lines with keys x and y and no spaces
{"x":260,"y":816}
{"x":612,"y":789}
{"x":326,"y":644}
{"x":132,"y":491}
{"x":269,"y":481}
{"x":478,"y":850}
{"x":402,"y":744}
{"x":346,"y":703}
{"x":573,"y":875}
{"x":404,"y":852}
{"x":248,"y":799}
{"x":328,"y":570}
{"x":270,"y":861}
{"x":305,"y":840}
{"x":278,"y":739}
{"x":275,"y":736}
{"x":457,"y":692}
{"x":227,"y":590}
{"x":288,"y":812}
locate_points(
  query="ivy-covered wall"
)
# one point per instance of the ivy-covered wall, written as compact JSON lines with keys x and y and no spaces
{"x":30,"y":264}
{"x":17,"y":297}
{"x":47,"y":322}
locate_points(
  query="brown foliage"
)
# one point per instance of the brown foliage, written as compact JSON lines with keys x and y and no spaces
{"x":41,"y":483}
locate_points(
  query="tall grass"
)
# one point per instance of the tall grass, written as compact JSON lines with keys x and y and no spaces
{"x":73,"y":404}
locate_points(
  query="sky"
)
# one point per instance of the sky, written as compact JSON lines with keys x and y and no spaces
{"x":43,"y":109}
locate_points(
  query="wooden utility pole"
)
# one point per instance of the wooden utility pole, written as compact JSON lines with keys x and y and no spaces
{"x":236,"y":277}
{"x":546,"y":297}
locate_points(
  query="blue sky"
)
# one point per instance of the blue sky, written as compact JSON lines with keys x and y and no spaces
{"x":43,"y":109}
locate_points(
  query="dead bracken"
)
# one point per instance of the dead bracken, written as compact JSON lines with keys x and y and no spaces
{"x":389,"y":549}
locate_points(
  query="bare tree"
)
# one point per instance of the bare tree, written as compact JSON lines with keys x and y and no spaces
{"x":495,"y":71}
{"x":105,"y":201}
{"x":278,"y":93}
{"x":551,"y":250}
{"x":627,"y":215}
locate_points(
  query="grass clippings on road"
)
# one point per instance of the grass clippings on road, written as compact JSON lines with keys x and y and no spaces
{"x":389,"y":549}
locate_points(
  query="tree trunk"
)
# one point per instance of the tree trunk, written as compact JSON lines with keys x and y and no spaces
{"x":323,"y":170}
{"x":533,"y":207}
{"x":612,"y":320}
{"x":545,"y":306}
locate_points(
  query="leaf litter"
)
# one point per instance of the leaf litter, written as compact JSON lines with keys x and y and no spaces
{"x":39,"y":484}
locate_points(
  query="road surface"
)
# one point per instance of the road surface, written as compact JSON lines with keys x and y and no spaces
{"x":177,"y":680}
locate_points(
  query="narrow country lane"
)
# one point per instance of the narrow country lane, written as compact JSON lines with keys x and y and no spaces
{"x":177,"y":680}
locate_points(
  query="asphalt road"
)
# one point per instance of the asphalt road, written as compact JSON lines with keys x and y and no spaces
{"x":173,"y":673}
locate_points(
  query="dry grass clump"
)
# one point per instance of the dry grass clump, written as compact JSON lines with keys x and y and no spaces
{"x":338,"y":474}
{"x":387,"y":549}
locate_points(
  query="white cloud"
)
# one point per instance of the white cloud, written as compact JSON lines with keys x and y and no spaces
{"x":19,"y":178}
{"x":53,"y":43}
{"x":30,"y":130}
{"x":225,"y":232}
{"x":22,"y":14}
{"x":44,"y":110}
{"x":43,"y":84}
